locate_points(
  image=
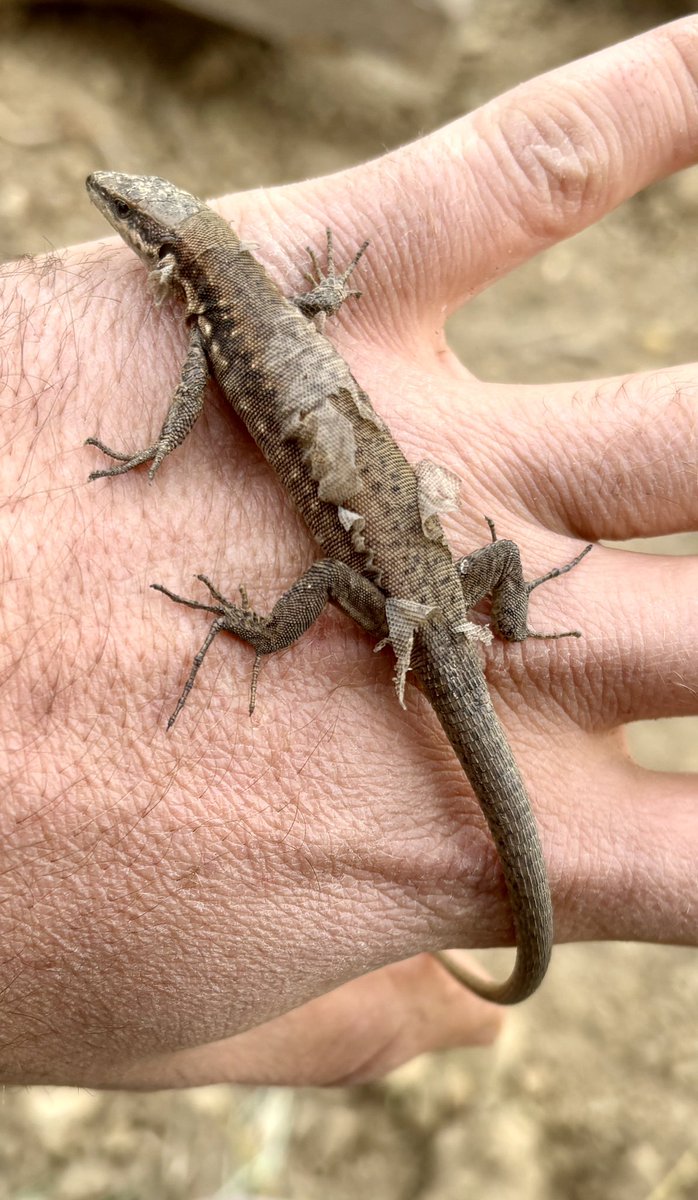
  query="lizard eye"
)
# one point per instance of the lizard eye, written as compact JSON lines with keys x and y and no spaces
{"x":121,"y":208}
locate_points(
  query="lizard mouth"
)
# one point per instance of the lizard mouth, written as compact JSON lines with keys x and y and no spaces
{"x":116,"y":197}
{"x":104,"y":192}
{"x":95,"y":189}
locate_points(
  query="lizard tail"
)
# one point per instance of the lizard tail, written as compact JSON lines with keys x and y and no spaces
{"x":451,"y":676}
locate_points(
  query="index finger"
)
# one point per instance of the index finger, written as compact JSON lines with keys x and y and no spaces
{"x":468,"y":203}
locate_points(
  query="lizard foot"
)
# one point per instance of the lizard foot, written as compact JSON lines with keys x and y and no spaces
{"x":328,"y":289}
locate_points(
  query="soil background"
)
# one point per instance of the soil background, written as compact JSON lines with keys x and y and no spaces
{"x":592,"y":1092}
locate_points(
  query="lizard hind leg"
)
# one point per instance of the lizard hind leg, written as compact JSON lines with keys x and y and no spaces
{"x":496,"y":570}
{"x":554,"y":574}
{"x":294,"y":613}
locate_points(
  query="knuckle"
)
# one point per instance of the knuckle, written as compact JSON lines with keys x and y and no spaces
{"x":555,"y":161}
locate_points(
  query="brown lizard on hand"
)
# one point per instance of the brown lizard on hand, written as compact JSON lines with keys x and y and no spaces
{"x":386,"y":561}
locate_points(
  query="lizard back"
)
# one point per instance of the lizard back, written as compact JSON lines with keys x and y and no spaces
{"x":315,"y":425}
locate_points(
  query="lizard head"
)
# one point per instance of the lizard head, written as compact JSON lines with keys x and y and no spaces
{"x":145,"y":210}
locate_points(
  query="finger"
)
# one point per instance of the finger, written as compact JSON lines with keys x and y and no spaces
{"x":640,"y":637}
{"x":637,"y":855}
{"x":614,"y":458}
{"x":637,"y":658}
{"x":356,"y":1033}
{"x":536,"y":165}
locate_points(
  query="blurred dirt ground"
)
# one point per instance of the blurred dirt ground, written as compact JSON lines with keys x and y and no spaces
{"x":593,"y":1090}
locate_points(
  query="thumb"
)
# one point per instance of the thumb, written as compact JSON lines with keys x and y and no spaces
{"x":354,"y":1034}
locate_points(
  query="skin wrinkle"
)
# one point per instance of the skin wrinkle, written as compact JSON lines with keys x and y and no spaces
{"x":613,"y":441}
{"x":630,"y":876}
{"x":560,"y":166}
{"x":448,"y":784}
{"x":393,"y":992}
{"x":633,"y":669}
{"x":386,"y":303}
{"x":682,"y":44}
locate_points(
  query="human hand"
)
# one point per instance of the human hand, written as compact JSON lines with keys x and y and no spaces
{"x":165,"y":891}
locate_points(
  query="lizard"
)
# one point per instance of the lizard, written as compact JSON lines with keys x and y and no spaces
{"x":386,"y":562}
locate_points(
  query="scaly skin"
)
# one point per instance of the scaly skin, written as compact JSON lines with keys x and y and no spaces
{"x":386,"y":562}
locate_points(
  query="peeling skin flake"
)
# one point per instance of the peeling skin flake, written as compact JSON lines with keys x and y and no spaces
{"x":355,"y":524}
{"x":437,"y":492}
{"x":403,"y":617}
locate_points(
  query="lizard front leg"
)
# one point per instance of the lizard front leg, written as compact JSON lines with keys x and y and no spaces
{"x":496,"y":570}
{"x":185,"y":407}
{"x":328,"y":290}
{"x":294,"y":613}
